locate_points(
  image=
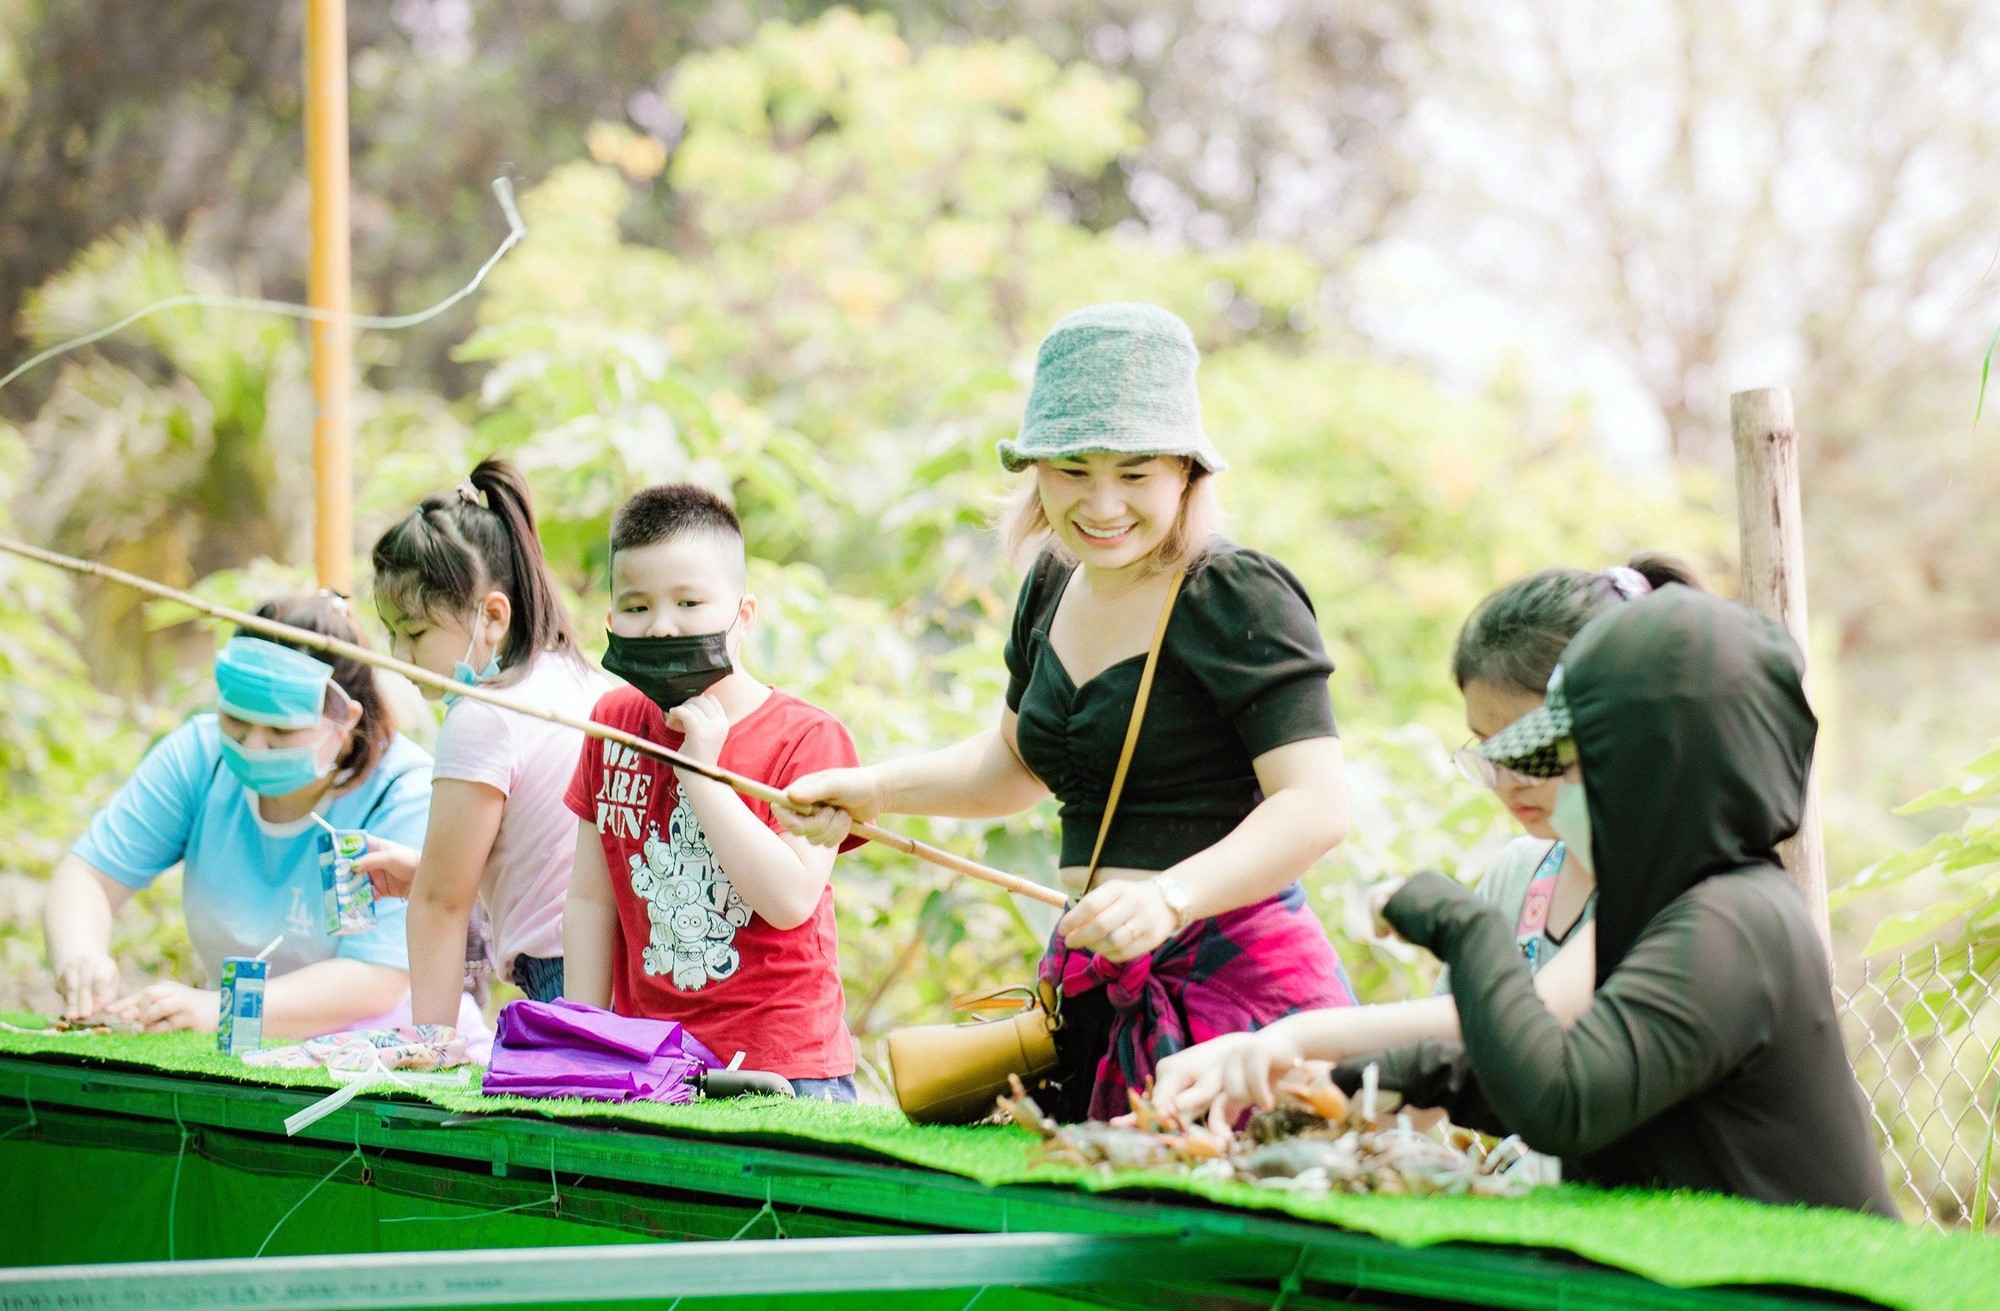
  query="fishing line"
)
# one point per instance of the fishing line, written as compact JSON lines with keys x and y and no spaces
{"x":28,"y":1096}
{"x":766,"y":1209}
{"x":1293,"y":1282}
{"x":516,"y":229}
{"x":174,"y":1191}
{"x":338,"y":1166}
{"x":553,"y":1201}
{"x":354,"y":1155}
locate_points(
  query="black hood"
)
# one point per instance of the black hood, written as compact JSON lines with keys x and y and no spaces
{"x":1695,"y":739}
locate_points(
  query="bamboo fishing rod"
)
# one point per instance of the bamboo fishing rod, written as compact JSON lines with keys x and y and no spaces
{"x":749,"y":787}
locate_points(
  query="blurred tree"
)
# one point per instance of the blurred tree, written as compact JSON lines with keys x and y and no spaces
{"x":1792,"y":191}
{"x":1272,"y":119}
{"x":176,"y":450}
{"x":186,"y":113}
{"x":824,"y":300}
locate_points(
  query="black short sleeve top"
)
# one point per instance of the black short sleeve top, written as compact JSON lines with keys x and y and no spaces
{"x":1242,"y":671}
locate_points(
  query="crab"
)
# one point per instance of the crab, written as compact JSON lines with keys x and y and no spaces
{"x":102,"y":1022}
{"x":1314,"y":1141}
{"x":1152,"y":1140}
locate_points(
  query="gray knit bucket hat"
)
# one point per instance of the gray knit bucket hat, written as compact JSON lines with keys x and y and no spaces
{"x":1117,"y":378}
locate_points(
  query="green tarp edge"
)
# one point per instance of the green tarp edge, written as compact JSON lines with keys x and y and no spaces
{"x":233,"y":1199}
{"x":1680,"y":1240}
{"x":421,"y":1150}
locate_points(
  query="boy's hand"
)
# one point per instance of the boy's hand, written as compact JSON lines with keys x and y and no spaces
{"x":390,"y":866}
{"x":824,"y":806}
{"x":703,"y":725}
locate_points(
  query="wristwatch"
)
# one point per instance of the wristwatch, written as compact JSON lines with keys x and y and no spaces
{"x":1175,"y":894}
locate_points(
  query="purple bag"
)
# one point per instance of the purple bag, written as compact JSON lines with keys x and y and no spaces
{"x":566,"y":1049}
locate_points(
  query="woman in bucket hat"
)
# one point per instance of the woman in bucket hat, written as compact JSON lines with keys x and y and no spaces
{"x":1190,"y":921}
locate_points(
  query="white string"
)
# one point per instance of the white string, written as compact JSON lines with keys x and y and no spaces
{"x":354,"y":1155}
{"x":516,"y":229}
{"x":356,"y":1082}
{"x":174,"y":1191}
{"x":28,"y":1095}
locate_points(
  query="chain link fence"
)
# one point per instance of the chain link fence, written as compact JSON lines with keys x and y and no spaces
{"x":1922,"y":1028}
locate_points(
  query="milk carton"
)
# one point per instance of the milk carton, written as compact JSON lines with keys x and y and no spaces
{"x":350,"y":897}
{"x":239,"y":1027}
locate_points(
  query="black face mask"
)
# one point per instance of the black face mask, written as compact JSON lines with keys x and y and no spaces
{"x":670,"y":670}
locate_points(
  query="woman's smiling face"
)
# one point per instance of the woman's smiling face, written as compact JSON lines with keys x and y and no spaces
{"x":1112,"y":511}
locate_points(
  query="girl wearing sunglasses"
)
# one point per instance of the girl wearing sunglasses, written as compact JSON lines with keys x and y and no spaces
{"x":1502,"y":661}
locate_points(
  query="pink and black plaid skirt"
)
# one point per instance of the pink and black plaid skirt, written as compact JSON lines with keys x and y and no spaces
{"x":1240,"y":970}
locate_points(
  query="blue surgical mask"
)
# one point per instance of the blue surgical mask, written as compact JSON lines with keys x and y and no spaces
{"x":1570,"y":818}
{"x":463,"y":672}
{"x":277,"y":771}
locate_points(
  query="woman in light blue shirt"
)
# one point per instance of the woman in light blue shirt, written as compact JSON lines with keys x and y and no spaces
{"x":231,"y":797}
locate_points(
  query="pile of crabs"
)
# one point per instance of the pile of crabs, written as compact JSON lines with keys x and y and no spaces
{"x":1316,"y":1140}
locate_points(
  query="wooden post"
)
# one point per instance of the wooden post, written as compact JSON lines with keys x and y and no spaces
{"x":1771,"y":529}
{"x":328,"y":288}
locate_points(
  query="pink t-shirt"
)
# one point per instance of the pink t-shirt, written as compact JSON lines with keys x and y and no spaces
{"x":530,"y":760}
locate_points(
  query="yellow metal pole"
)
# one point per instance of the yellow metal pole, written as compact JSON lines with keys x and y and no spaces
{"x":328,"y":288}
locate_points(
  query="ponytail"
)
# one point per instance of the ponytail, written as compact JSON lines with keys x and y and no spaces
{"x":1659,"y":569}
{"x":458,"y":545}
{"x":1516,"y":636}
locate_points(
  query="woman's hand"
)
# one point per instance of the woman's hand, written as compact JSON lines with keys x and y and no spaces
{"x":1120,"y":921}
{"x":824,"y":806}
{"x":1225,"y":1076}
{"x":87,"y":983}
{"x":390,"y":866}
{"x":163,"y":1007}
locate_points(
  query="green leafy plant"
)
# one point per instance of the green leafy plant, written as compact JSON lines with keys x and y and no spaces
{"x":1961,"y":908}
{"x":1964,"y":863}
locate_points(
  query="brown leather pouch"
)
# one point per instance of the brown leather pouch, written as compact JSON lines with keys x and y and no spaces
{"x":950,"y":1073}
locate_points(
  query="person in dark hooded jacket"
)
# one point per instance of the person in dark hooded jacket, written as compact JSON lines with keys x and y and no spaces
{"x":1710,"y":1057}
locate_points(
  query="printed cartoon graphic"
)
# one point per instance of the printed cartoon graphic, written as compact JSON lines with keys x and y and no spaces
{"x":692,"y":907}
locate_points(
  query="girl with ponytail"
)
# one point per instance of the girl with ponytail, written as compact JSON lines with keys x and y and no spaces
{"x":1502,"y":663}
{"x":465,"y":591}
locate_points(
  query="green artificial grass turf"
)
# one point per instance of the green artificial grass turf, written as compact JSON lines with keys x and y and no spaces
{"x":1679,"y":1239}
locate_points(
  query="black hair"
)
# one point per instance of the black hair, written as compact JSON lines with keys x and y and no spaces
{"x":671,"y":511}
{"x":1516,"y":636}
{"x":329,"y":615}
{"x":458,"y":545}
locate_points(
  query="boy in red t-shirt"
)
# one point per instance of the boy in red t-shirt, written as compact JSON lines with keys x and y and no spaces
{"x":687,"y":902}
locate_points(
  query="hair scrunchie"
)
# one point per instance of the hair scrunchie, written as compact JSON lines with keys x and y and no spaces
{"x":1630,"y":583}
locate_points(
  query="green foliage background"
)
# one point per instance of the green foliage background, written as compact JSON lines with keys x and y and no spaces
{"x":824,"y":302}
